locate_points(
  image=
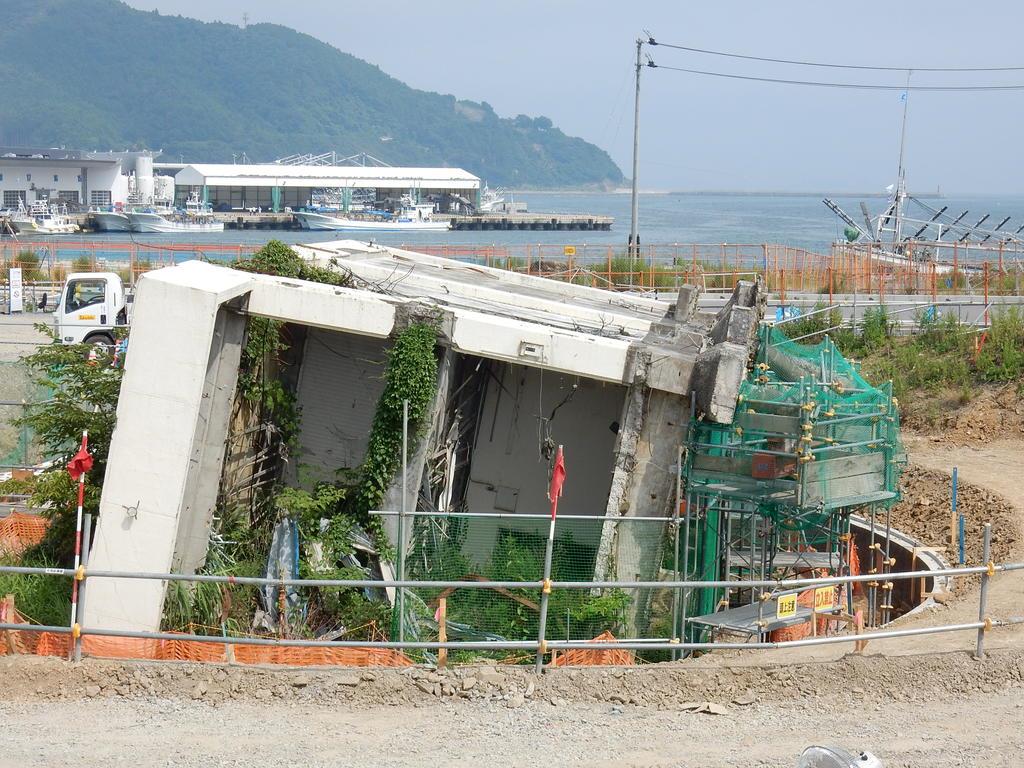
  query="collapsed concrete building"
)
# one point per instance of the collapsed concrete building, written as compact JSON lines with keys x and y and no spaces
{"x":524,"y":364}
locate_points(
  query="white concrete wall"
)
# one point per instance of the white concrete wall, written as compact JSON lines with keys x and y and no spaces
{"x":341,"y":379}
{"x":16,"y":178}
{"x":151,"y":452}
{"x":511,"y":458}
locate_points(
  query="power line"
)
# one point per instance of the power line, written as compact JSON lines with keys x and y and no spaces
{"x":652,"y":41}
{"x":855,"y":86}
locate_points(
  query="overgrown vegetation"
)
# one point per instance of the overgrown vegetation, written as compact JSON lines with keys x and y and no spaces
{"x":941,"y":354}
{"x":84,"y":398}
{"x":329,"y":515}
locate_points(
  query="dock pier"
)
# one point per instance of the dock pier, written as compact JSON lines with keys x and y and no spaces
{"x":533,"y":221}
{"x":268,"y":220}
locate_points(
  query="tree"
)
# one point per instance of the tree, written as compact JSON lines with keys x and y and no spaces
{"x":84,"y":398}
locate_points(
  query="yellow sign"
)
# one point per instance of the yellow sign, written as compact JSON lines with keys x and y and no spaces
{"x":786,"y":608}
{"x":87,"y":317}
{"x":824,"y":598}
{"x":569,"y":250}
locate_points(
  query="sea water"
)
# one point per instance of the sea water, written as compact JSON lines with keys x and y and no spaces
{"x":800,"y":221}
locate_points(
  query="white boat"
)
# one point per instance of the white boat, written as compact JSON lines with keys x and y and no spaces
{"x":111,"y":221}
{"x":491,"y":199}
{"x":43,"y":219}
{"x":152,"y":222}
{"x":196,"y":217}
{"x":417,"y":218}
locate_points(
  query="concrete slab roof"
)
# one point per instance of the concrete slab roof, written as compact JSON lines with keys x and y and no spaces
{"x":497,"y":292}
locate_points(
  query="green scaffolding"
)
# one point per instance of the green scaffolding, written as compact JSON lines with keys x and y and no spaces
{"x":771,"y":494}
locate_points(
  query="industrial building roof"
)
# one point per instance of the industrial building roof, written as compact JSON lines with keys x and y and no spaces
{"x":273,"y":174}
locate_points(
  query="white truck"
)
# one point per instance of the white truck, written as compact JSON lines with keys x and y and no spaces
{"x":91,"y":306}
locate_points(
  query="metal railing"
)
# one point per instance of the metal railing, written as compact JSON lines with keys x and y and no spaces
{"x":540,"y":644}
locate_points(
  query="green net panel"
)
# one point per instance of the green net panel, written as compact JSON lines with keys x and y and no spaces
{"x":18,"y":446}
{"x":771,"y":494}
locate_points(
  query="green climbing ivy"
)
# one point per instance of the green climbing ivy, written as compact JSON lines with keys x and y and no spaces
{"x":411,"y":376}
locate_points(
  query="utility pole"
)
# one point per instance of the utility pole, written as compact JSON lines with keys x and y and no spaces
{"x":634,"y":246}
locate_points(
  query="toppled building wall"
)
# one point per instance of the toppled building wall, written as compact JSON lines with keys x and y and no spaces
{"x":526,"y":364}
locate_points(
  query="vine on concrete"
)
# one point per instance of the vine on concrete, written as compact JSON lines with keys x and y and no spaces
{"x":411,"y":375}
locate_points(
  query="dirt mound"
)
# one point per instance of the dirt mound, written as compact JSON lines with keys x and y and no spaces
{"x":984,"y":414}
{"x":924,"y":512}
{"x":660,"y":686}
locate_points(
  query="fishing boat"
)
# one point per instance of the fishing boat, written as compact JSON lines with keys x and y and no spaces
{"x":110,"y":220}
{"x":902,"y":235}
{"x":197,"y":217}
{"x":41,"y":218}
{"x":415,"y":218}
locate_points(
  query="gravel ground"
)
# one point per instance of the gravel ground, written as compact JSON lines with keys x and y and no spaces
{"x":910,"y":711}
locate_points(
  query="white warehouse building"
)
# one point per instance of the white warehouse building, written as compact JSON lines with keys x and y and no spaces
{"x":275,"y":187}
{"x":76,"y":177}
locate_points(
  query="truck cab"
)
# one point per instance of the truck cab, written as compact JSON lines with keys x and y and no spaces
{"x":91,"y":306}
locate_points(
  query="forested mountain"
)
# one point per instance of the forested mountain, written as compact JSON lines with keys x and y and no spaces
{"x":97,"y":74}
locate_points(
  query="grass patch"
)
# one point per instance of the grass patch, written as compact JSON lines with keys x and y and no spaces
{"x":40,"y":598}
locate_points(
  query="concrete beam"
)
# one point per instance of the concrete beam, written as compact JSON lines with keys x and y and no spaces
{"x":161,"y":439}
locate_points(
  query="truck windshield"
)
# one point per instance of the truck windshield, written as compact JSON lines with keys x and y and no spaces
{"x":84,"y":293}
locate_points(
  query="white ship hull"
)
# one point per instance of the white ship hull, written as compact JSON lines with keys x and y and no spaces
{"x":155,"y":223}
{"x":320,"y":221}
{"x":109,"y":221}
{"x":33,"y":227}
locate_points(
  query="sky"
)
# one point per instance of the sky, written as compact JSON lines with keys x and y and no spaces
{"x":572,"y":60}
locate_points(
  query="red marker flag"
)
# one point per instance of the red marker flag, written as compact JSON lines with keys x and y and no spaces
{"x":81,"y":462}
{"x":557,"y":480}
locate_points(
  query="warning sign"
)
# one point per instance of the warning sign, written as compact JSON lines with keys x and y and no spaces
{"x":569,"y":250}
{"x":824,"y":598}
{"x":786,"y":607}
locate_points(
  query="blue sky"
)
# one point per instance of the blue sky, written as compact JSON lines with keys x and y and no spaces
{"x":572,"y":61}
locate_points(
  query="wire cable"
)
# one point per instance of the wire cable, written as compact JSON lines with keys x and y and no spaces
{"x":848,"y":86}
{"x":652,"y":41}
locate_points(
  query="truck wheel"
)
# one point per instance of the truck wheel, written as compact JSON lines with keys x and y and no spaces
{"x":100,"y":338}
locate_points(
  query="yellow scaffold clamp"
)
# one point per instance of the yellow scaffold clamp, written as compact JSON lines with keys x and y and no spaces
{"x":739,"y":431}
{"x":987,"y":625}
{"x":807,"y":427}
{"x":762,"y":366}
{"x":895,"y":402}
{"x":808,"y":406}
{"x":807,"y":457}
{"x":542,"y":647}
{"x":838,"y":387}
{"x":762,"y":379}
{"x":990,"y":568}
{"x":829,"y":413}
{"x":546,"y":587}
{"x":80,"y":573}
{"x":76,"y":631}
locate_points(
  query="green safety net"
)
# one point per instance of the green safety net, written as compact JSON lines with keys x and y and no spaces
{"x":811,"y":443}
{"x":18,"y":392}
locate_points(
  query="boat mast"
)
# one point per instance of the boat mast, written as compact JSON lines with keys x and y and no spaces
{"x":901,"y":188}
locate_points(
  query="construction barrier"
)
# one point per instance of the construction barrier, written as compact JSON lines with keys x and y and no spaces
{"x":577,"y":657}
{"x":52,"y":644}
{"x":19,"y":531}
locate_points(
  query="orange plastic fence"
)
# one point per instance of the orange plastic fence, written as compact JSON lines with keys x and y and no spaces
{"x":19,"y":531}
{"x":584,"y":657}
{"x":51,"y":644}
